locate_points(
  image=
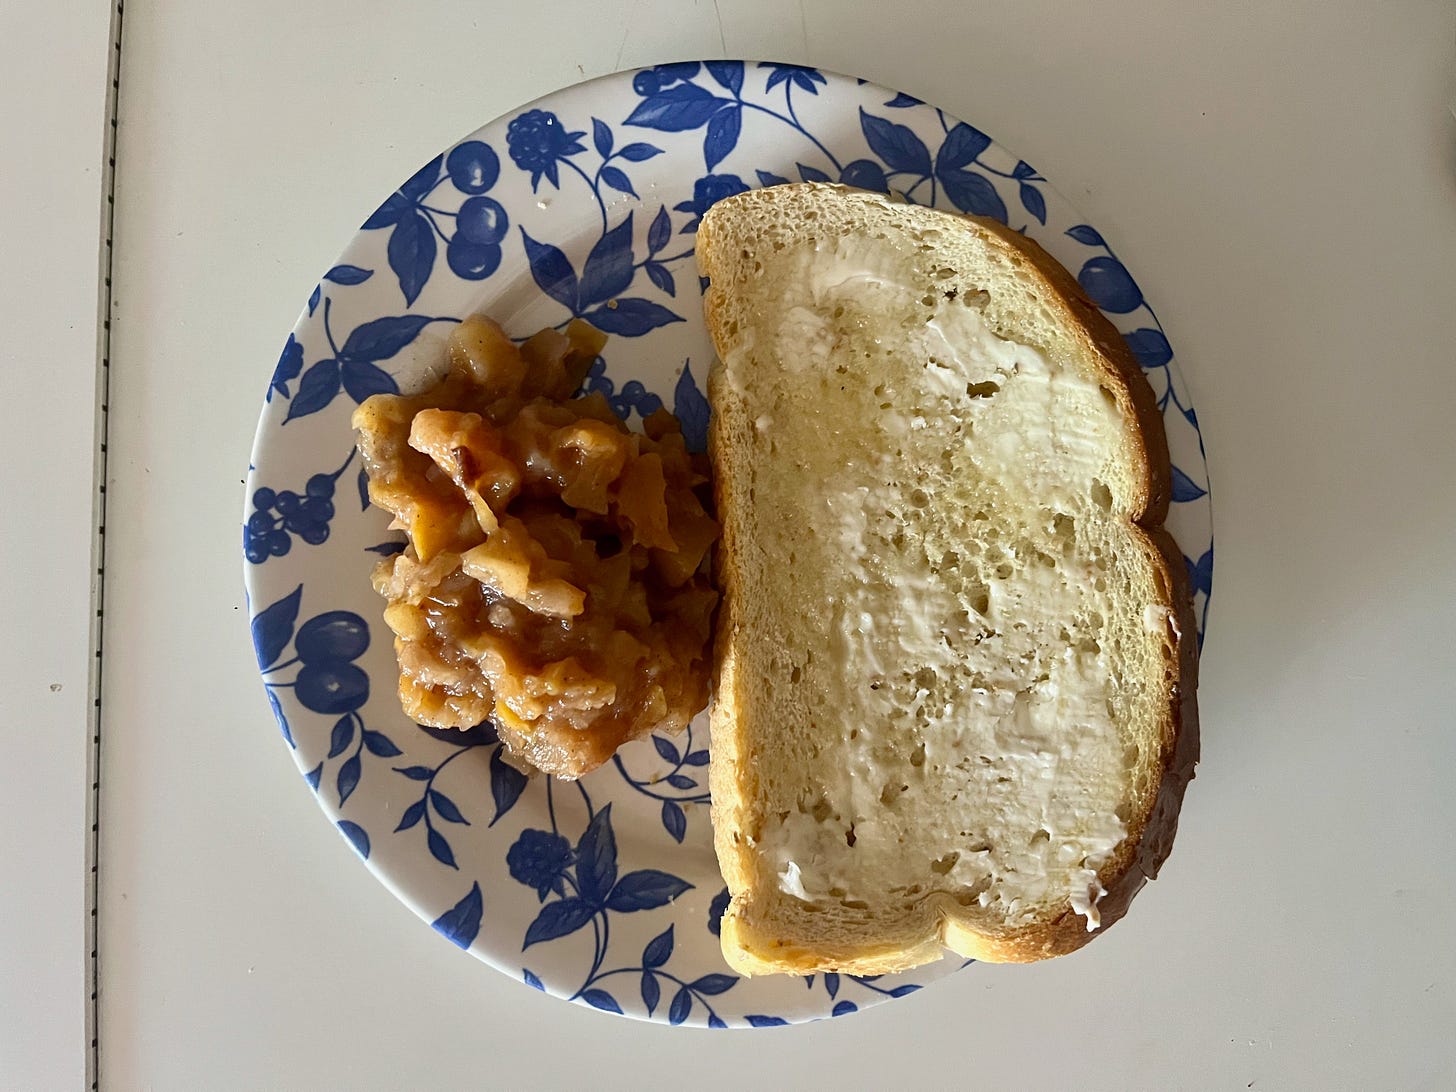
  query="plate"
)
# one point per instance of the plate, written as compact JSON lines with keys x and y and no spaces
{"x":606,"y":891}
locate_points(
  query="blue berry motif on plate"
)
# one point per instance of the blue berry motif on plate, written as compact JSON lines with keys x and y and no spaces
{"x":414,"y":217}
{"x":277,"y":516}
{"x":585,"y":204}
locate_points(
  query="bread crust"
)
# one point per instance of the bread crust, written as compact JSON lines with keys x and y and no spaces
{"x":938,"y":920}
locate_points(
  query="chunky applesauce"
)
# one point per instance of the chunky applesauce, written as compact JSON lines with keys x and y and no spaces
{"x":556,"y":577}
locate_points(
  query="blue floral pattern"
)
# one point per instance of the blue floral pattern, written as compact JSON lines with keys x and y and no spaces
{"x":413,"y":215}
{"x":605,"y":892}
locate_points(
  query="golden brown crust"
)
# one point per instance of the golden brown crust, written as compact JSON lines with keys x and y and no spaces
{"x":1150,"y":834}
{"x":1104,"y":344}
{"x":728,"y":774}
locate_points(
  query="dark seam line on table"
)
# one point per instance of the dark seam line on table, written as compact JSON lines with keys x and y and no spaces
{"x":98,"y":542}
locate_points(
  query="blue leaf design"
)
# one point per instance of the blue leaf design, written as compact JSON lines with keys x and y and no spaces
{"x":273,"y":628}
{"x":357,"y":837}
{"x":692,"y":411}
{"x":412,"y":254}
{"x":768,"y":178}
{"x":1200,"y":573}
{"x":658,"y":950}
{"x":631,"y":317}
{"x":660,"y":231}
{"x":1023,"y":170}
{"x":506,"y":784}
{"x":801,"y":77}
{"x":682,"y":1004}
{"x":901,"y":991}
{"x":1086,"y":233}
{"x":865,"y":174}
{"x":643,"y":890}
{"x":558,"y":919}
{"x":674,"y":821}
{"x":532,"y":981}
{"x":618,"y":180}
{"x":831,"y":984}
{"x":651,"y":991}
{"x":666,"y":749}
{"x":602,"y":137}
{"x":722,"y":136}
{"x":388,"y":214}
{"x":314,"y":776}
{"x":386,"y":549}
{"x":283,"y":720}
{"x":380,"y":745}
{"x":961,"y":147}
{"x":658,"y":274}
{"x":728,"y":73}
{"x":1033,"y":202}
{"x":361,"y":379}
{"x":552,"y":271}
{"x":971,"y":192}
{"x":290,"y":363}
{"x":363,"y":483}
{"x":316,"y":390}
{"x":812,"y":174}
{"x":636,"y":153}
{"x":902,"y":100}
{"x":714,"y":984}
{"x":759,"y":1021}
{"x":601,"y":999}
{"x":342,"y":736}
{"x":1149,"y":346}
{"x":383,"y":337}
{"x":608,"y":269}
{"x":348,"y":274}
{"x":896,"y":144}
{"x":440,"y":849}
{"x":844,"y":1008}
{"x":424,"y":179}
{"x":1185,"y":488}
{"x":596,"y":858}
{"x":348,"y":779}
{"x":446,"y":808}
{"x":415,"y":773}
{"x":460,"y":924}
{"x":1110,"y":285}
{"x":697,"y":758}
{"x":314,"y":297}
{"x":681,"y":781}
{"x":411,"y":817}
{"x":678,"y":108}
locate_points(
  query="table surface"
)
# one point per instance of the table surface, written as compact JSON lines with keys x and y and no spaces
{"x":1284,"y":182}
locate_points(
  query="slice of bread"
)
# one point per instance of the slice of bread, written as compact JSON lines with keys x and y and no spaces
{"x":955,"y":693}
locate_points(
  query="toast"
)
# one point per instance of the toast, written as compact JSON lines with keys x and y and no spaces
{"x":955,"y":662}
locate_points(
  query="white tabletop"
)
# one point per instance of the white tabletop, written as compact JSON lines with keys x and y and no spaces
{"x":53,"y":179}
{"x":1284,"y":182}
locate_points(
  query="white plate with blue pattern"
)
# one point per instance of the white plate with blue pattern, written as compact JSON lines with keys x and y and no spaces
{"x":605,"y":892}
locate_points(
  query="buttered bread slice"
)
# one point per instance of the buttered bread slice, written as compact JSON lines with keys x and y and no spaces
{"x":954,"y":702}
